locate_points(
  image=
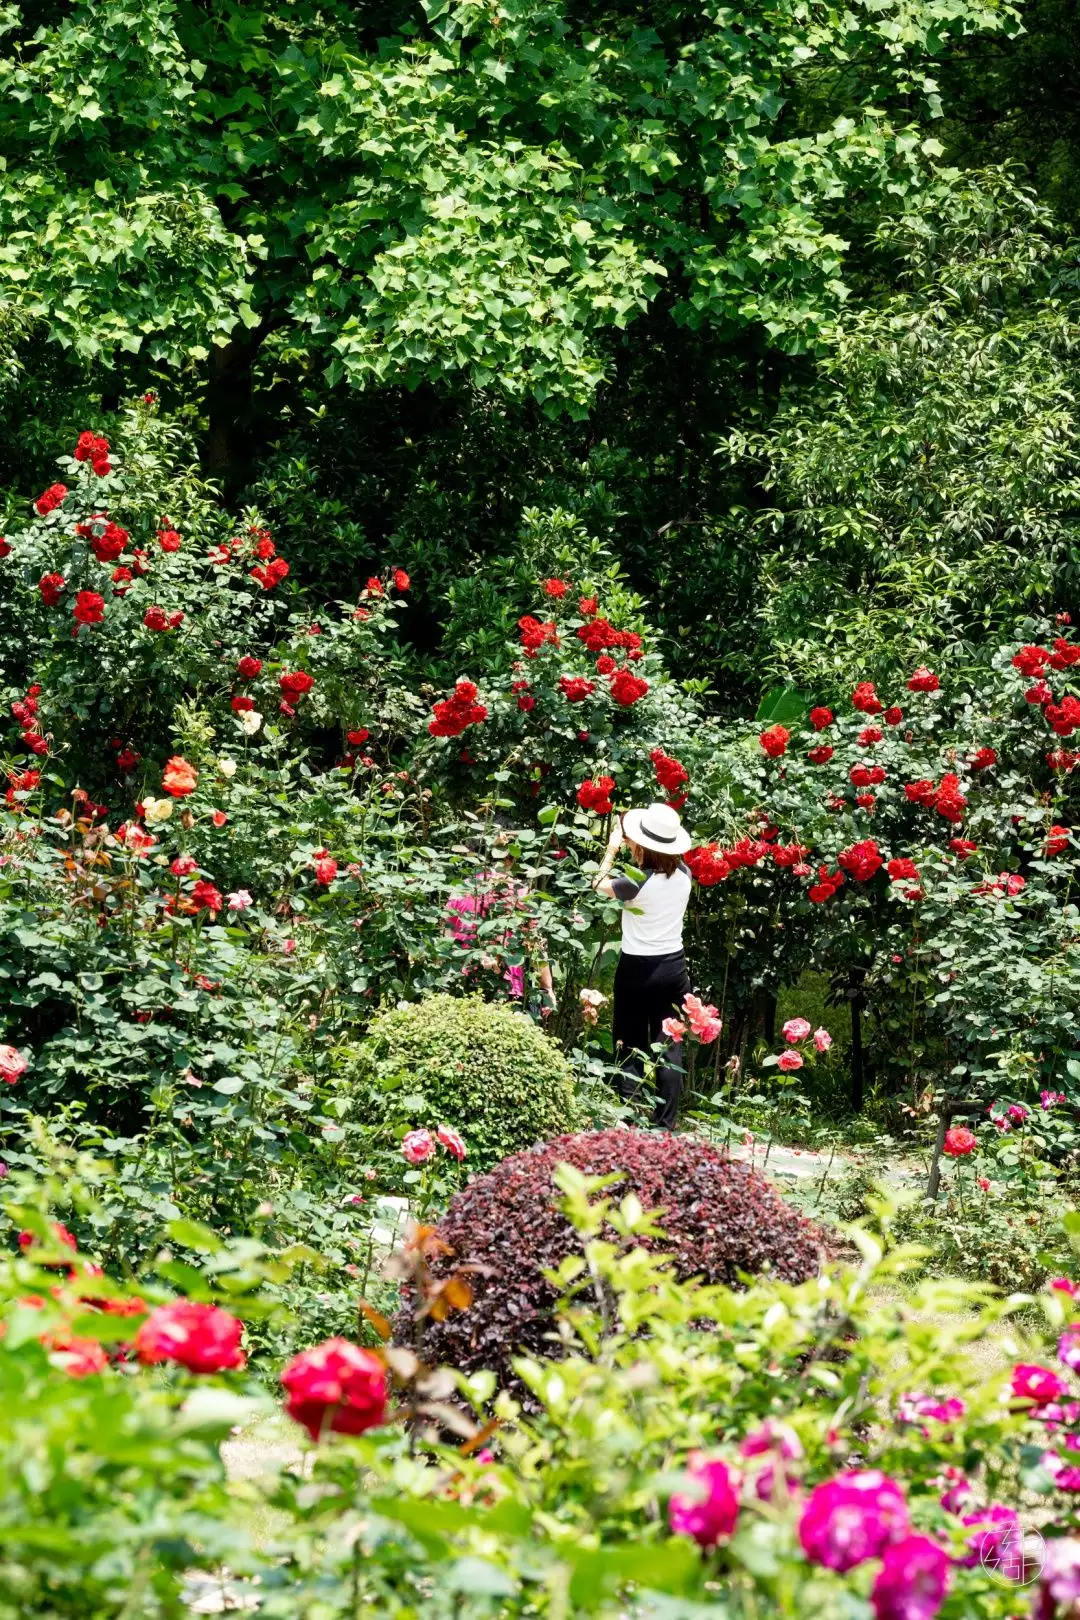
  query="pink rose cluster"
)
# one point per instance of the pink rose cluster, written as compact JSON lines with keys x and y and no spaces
{"x":795,"y":1032}
{"x":419,"y":1146}
{"x":862,"y":1514}
{"x":701,"y":1019}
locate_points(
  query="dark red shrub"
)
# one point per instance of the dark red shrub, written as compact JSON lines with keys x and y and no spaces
{"x":720,"y":1218}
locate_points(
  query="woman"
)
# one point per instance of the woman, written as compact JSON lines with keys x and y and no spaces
{"x":651,"y":978}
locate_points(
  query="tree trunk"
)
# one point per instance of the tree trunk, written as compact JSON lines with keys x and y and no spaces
{"x":857,"y":1084}
{"x":229,"y":389}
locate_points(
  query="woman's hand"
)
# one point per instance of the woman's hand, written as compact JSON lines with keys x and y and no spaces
{"x":615,"y":836}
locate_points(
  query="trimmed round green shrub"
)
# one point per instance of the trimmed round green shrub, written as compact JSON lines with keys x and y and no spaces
{"x":477,"y":1065}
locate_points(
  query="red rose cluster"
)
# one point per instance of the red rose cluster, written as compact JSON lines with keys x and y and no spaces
{"x":944,"y":797}
{"x":107,"y":540}
{"x":923,"y":680}
{"x":156,"y":618}
{"x":599,"y":636}
{"x":536,"y":634}
{"x":626,"y":688}
{"x":707,"y":865}
{"x":457,"y":712}
{"x":95,"y":451}
{"x":596,"y":794}
{"x":826,"y":885}
{"x":863,"y":775}
{"x":574,"y":688}
{"x":50,"y":499}
{"x":860,"y":861}
{"x":775,"y":741}
{"x":671,"y":775}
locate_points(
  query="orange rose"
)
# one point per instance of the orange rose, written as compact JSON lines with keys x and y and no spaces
{"x":179,"y":778}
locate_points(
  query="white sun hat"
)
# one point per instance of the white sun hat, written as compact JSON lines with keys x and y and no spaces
{"x":657,"y":828}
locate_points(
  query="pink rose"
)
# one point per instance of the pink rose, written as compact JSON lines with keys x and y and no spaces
{"x":710,"y":1510}
{"x":822,"y":1040}
{"x":796,"y":1029}
{"x":418,"y":1146}
{"x":912,"y":1581}
{"x":852,"y":1517}
{"x":12,"y":1064}
{"x":673,"y":1029}
{"x":1031,"y":1382}
{"x":451,"y":1141}
{"x":789,"y":1061}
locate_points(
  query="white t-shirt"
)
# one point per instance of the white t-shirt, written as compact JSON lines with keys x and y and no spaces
{"x":653,"y":911}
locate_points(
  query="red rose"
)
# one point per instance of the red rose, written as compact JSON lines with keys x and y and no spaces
{"x":5,"y":547}
{"x":574,"y":688}
{"x":948,"y":800}
{"x":555,"y":587}
{"x":924,"y":680}
{"x":983,"y":758}
{"x":295,"y":685}
{"x":870,"y":735}
{"x":272,"y":574}
{"x":861,"y":860}
{"x":820,"y":755}
{"x":121,"y":577}
{"x":535,"y":635}
{"x":1031,"y":660}
{"x":202,"y":1338}
{"x":921,"y":792}
{"x":596,"y":795}
{"x":865,"y":698}
{"x":326,"y":868}
{"x":51,"y":499}
{"x":963,"y":847}
{"x":959,"y":1141}
{"x":893,"y":715}
{"x":110,"y":544}
{"x":902,"y":867}
{"x":356,"y":739}
{"x":820,"y":718}
{"x":671,"y":774}
{"x":89,"y":608}
{"x":588,"y":606}
{"x":206,"y":896}
{"x":605,"y":664}
{"x":1057,"y":840}
{"x":336,"y":1387}
{"x":1039,"y":693}
{"x":526,"y":702}
{"x":775,"y":741}
{"x":626,"y":688}
{"x":184,"y":865}
{"x":248,"y":668}
{"x":168,"y":540}
{"x":156,"y":618}
{"x":401,"y":580}
{"x":50,"y":586}
{"x":241,"y":704}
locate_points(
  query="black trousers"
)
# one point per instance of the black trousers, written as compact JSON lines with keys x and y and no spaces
{"x":649,"y":989}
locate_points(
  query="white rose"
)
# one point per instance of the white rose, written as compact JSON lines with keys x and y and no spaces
{"x":227,"y":767}
{"x":155,"y":810}
{"x":250,"y":722}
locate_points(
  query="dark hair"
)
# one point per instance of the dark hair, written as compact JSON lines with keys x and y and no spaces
{"x":653,"y":861}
